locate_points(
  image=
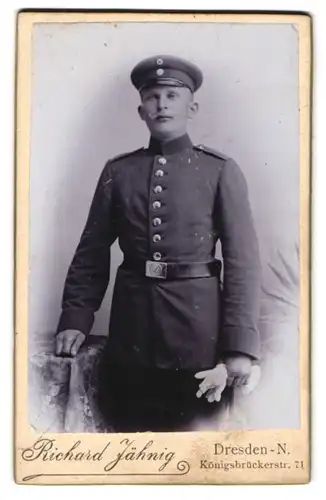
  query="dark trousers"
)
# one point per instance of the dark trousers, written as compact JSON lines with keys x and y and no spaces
{"x":142,"y":399}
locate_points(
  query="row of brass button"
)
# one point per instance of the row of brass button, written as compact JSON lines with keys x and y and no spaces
{"x":157,"y":204}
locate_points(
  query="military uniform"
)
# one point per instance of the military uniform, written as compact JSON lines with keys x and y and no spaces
{"x":168,"y":205}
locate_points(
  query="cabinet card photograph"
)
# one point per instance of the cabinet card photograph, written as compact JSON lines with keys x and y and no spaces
{"x":162,"y":248}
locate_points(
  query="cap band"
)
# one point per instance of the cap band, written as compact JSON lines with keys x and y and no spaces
{"x":171,"y":74}
{"x":168,"y":82}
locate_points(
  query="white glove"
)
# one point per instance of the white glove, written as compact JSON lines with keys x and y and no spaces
{"x":214,"y":382}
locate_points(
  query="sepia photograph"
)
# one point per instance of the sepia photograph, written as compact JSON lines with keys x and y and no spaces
{"x":165,"y":253}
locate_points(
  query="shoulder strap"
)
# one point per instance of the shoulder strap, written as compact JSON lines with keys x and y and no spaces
{"x":124,"y":155}
{"x":212,"y":152}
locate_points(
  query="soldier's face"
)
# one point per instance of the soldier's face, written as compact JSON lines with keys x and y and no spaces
{"x":166,"y":110}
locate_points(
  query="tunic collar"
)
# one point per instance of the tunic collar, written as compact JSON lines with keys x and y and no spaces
{"x":169,"y":147}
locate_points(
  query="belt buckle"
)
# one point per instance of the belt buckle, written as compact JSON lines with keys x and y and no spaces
{"x":156,"y":269}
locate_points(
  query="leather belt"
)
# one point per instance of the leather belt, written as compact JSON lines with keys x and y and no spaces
{"x":171,"y":270}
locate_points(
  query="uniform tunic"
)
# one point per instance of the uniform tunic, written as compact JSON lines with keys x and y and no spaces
{"x":170,"y":202}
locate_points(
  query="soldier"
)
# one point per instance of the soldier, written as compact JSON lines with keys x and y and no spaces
{"x":171,"y":324}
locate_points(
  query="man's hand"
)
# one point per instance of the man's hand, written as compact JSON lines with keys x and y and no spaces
{"x":68,"y":342}
{"x":238,"y":370}
{"x":252,"y":381}
{"x":213,"y":384}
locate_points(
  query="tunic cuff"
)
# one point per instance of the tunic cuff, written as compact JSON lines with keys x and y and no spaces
{"x":241,"y":340}
{"x":76,"y":319}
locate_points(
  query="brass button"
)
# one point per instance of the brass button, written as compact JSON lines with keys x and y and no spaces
{"x":157,"y":221}
{"x":156,"y":204}
{"x":158,"y":189}
{"x":159,"y":173}
{"x":157,"y":256}
{"x":156,"y":238}
{"x":162,"y":160}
